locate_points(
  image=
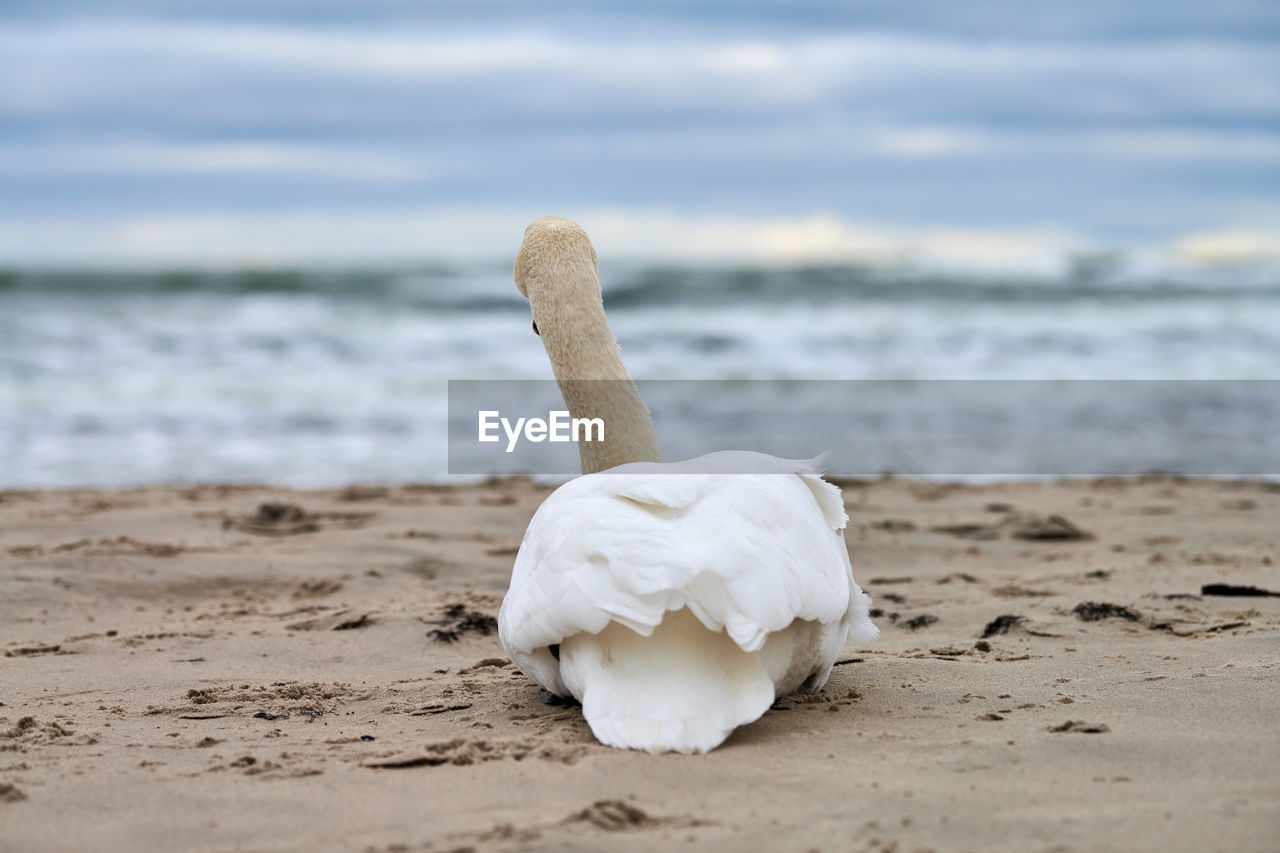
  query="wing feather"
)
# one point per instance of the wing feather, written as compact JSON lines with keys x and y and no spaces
{"x":749,"y":552}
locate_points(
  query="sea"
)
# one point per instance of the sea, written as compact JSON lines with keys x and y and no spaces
{"x":326,"y":377}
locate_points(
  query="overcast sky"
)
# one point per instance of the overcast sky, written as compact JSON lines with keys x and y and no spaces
{"x":292,"y":130}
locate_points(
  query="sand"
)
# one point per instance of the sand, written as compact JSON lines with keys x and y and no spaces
{"x":242,"y":668}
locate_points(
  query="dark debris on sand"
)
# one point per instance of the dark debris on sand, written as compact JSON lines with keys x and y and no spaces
{"x":1055,"y":528}
{"x":275,"y":519}
{"x":982,"y":532}
{"x":1002,"y":624}
{"x":1081,"y":727}
{"x":1031,"y":528}
{"x":459,"y":621}
{"x":343,"y":620}
{"x":915,"y":623}
{"x":1094,"y":611}
{"x":10,"y":793}
{"x":612,"y":816}
{"x":1235,"y":589}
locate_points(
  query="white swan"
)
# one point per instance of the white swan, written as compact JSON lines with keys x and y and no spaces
{"x":675,"y":601}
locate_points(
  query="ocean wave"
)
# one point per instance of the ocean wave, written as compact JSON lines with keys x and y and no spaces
{"x":332,"y":376}
{"x":488,"y":287}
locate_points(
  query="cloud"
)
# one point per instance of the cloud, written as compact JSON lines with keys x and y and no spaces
{"x":1229,"y":247}
{"x":821,"y":238}
{"x":189,"y":127}
{"x":210,"y":158}
{"x":930,"y":142}
{"x":57,"y":63}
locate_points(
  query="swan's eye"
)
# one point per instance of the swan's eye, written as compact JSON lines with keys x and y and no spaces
{"x":535,"y":329}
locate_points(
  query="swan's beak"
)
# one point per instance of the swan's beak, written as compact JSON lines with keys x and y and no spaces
{"x":535,"y":329}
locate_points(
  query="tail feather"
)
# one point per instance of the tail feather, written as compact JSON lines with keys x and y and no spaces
{"x":683,"y":688}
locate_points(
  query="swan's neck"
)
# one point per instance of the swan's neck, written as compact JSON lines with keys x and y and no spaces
{"x":592,"y":378}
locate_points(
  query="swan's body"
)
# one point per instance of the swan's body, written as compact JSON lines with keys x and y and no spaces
{"x":686,"y":597}
{"x":676,"y":601}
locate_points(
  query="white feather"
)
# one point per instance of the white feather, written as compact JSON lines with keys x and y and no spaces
{"x":686,"y":596}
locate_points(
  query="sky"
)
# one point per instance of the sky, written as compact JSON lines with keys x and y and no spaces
{"x":981,"y":133}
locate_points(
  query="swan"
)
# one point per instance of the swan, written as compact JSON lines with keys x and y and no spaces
{"x":675,"y":601}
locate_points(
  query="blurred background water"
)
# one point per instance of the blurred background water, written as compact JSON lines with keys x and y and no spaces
{"x":323,"y":378}
{"x":251,"y":242}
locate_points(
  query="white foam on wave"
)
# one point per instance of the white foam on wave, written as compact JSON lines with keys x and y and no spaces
{"x":346,"y":382}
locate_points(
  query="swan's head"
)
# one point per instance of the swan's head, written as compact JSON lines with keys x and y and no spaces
{"x":556,"y":260}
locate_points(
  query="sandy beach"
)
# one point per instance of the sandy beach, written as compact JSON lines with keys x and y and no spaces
{"x":248,"y":668}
